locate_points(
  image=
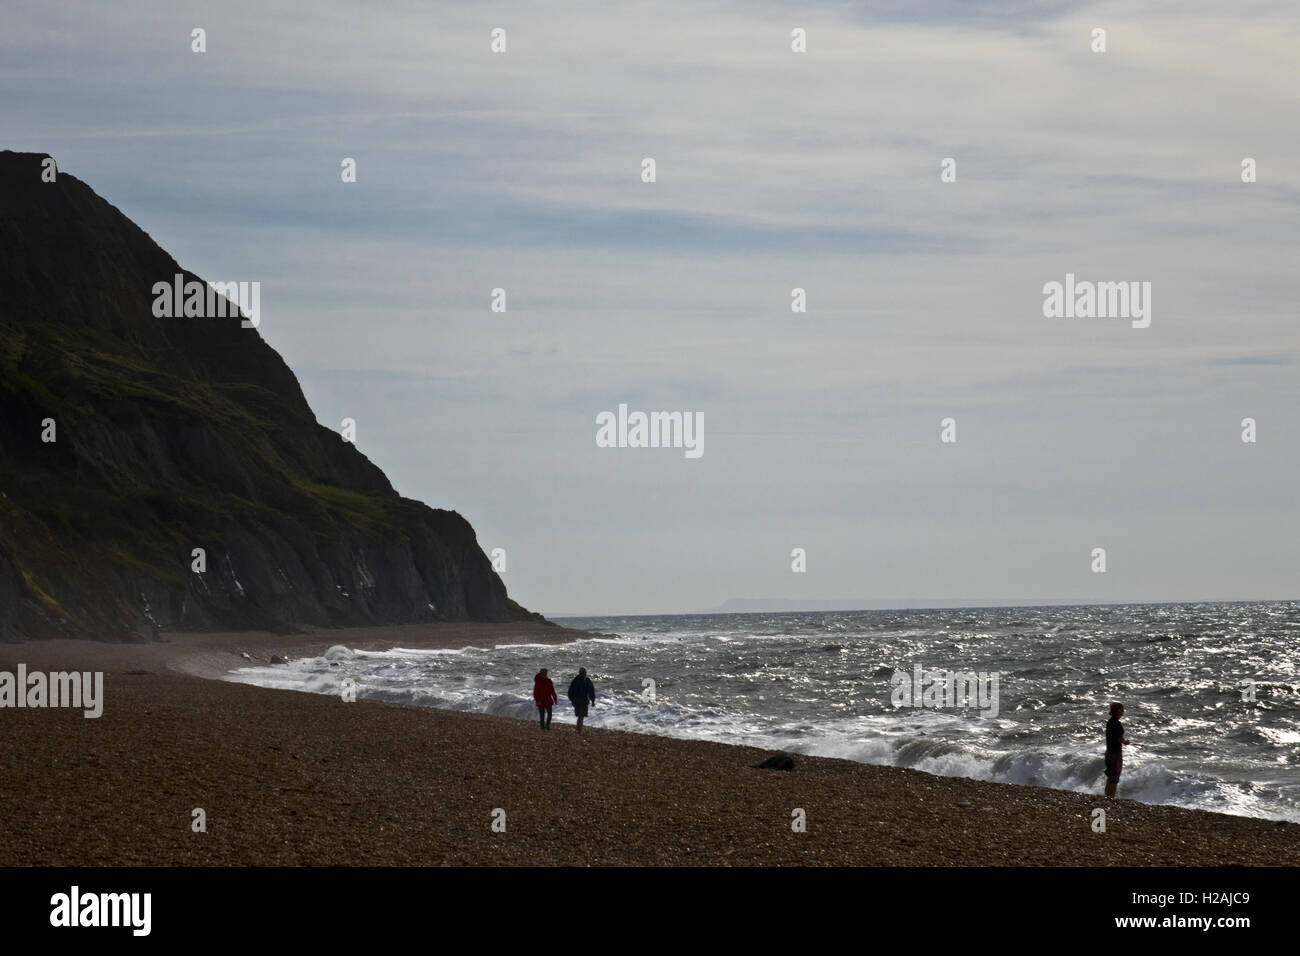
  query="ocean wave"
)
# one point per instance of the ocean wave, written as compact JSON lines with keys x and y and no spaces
{"x":729,"y":679}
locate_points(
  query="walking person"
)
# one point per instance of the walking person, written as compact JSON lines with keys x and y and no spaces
{"x":544,"y":697}
{"x":1115,"y":741}
{"x":581,"y":693}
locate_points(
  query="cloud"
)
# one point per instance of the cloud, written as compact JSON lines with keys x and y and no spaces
{"x":776,"y":170}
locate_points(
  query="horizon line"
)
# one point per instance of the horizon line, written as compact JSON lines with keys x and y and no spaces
{"x":977,"y":604}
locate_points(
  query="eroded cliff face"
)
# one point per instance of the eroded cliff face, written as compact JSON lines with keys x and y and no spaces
{"x":173,"y":434}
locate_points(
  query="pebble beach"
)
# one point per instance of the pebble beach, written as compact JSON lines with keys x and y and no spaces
{"x":289,"y":778}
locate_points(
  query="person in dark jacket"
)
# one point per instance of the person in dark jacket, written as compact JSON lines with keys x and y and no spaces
{"x":581,"y":693}
{"x":1115,"y":741}
{"x":544,"y":697}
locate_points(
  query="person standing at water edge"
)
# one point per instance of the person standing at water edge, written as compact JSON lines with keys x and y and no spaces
{"x":581,"y":693}
{"x":544,"y":697}
{"x":1115,"y":741}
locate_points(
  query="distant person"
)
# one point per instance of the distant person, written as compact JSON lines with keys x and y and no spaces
{"x":581,"y":693}
{"x":544,"y":697}
{"x":1115,"y":741}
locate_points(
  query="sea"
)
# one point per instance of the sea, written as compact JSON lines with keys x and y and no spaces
{"x":1211,"y":691}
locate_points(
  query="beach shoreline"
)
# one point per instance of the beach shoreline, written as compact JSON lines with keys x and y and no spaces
{"x":292,"y":778}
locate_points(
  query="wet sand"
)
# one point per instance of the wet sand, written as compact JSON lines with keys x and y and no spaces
{"x":288,"y":778}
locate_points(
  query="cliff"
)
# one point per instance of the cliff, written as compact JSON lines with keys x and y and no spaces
{"x":176,"y":434}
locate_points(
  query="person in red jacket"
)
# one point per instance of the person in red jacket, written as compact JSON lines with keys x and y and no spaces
{"x":544,"y":697}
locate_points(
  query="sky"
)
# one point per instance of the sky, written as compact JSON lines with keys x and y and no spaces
{"x":774,"y":170}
